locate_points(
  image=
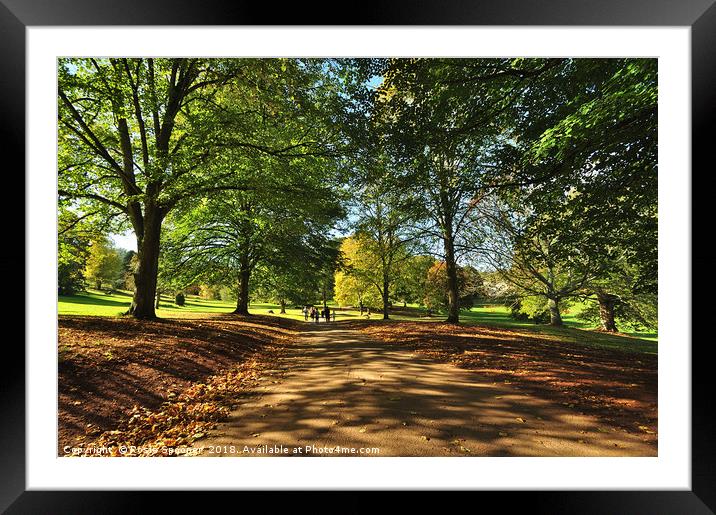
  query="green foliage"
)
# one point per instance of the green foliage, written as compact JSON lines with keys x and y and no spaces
{"x":235,"y":173}
{"x":104,"y":264}
{"x":533,"y":308}
{"x":411,"y":281}
{"x":469,"y":286}
{"x":140,"y":137}
{"x":130,"y":264}
{"x":636,"y":312}
{"x":210,"y":292}
{"x":71,"y":261}
{"x":350,"y":290}
{"x":75,"y":233}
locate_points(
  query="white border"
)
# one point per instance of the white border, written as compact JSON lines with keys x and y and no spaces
{"x":671,"y":470}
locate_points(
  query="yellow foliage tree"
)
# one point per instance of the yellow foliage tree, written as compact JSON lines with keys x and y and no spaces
{"x":356,"y":283}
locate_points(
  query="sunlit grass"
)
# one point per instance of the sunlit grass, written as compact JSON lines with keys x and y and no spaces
{"x":98,"y":303}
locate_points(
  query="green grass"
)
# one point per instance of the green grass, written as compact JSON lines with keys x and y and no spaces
{"x":94,"y":303}
{"x":97,"y":303}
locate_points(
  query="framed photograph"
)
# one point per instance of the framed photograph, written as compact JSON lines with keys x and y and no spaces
{"x":434,"y":248}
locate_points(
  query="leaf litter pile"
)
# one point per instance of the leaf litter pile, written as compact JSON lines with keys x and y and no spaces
{"x":157,"y":384}
{"x":617,"y":387}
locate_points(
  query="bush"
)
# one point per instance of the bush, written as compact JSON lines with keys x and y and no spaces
{"x":226,"y":294}
{"x":516,"y":313}
{"x":69,"y":279}
{"x":533,"y":309}
{"x":179,"y":299}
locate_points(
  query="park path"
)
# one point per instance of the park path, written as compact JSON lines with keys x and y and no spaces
{"x":339,"y":388}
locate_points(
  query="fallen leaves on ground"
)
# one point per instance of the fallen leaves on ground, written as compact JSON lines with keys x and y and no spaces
{"x":618,"y":387}
{"x":179,"y":422}
{"x":168,"y":384}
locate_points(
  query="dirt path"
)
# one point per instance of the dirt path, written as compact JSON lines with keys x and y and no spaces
{"x":339,"y":388}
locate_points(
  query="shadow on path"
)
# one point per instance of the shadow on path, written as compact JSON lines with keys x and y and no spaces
{"x":338,"y":387}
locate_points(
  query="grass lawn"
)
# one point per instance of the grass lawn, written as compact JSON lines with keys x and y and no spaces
{"x":98,"y":303}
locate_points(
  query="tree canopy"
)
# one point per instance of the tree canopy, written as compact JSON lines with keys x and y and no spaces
{"x":373,"y":180}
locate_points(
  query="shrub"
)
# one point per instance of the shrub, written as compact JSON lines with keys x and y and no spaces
{"x":179,"y":299}
{"x":530,"y":308}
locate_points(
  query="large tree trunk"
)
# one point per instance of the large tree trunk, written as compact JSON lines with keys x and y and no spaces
{"x":452,"y":282}
{"x":607,"y":303}
{"x":384,"y":294}
{"x":242,"y":304}
{"x":555,"y":318}
{"x":145,"y":278}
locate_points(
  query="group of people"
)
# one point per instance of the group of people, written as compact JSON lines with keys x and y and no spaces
{"x":315,"y":315}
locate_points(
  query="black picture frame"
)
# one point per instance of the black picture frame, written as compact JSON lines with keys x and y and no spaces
{"x":17,"y":15}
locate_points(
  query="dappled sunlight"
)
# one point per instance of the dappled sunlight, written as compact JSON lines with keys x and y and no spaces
{"x":333,"y":385}
{"x":343,"y":389}
{"x":618,"y":387}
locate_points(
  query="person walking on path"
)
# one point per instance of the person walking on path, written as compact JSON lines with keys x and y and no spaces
{"x":305,"y":313}
{"x":328,"y":314}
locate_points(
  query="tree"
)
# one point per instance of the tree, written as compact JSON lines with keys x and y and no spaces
{"x":123,"y":143}
{"x":411,"y":281}
{"x":599,"y":154}
{"x":356,"y":279}
{"x":130,"y":262}
{"x":382,"y":237}
{"x":295,"y":270}
{"x":76,"y":231}
{"x":445,"y":120}
{"x":436,"y":290}
{"x":104,"y":263}
{"x":71,"y":262}
{"x":368,"y":268}
{"x":538,"y":253}
{"x":621,"y":294}
{"x":72,"y":251}
{"x":139,"y":136}
{"x":285,"y":285}
{"x":281,"y":228}
{"x":351,"y":290}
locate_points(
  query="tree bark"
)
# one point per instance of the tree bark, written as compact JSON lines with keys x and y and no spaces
{"x":242,"y":304}
{"x":159,"y":296}
{"x":145,"y":278}
{"x":384,"y":294}
{"x":555,"y":318}
{"x":283,"y":306}
{"x":607,"y":303}
{"x":452,"y":282}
